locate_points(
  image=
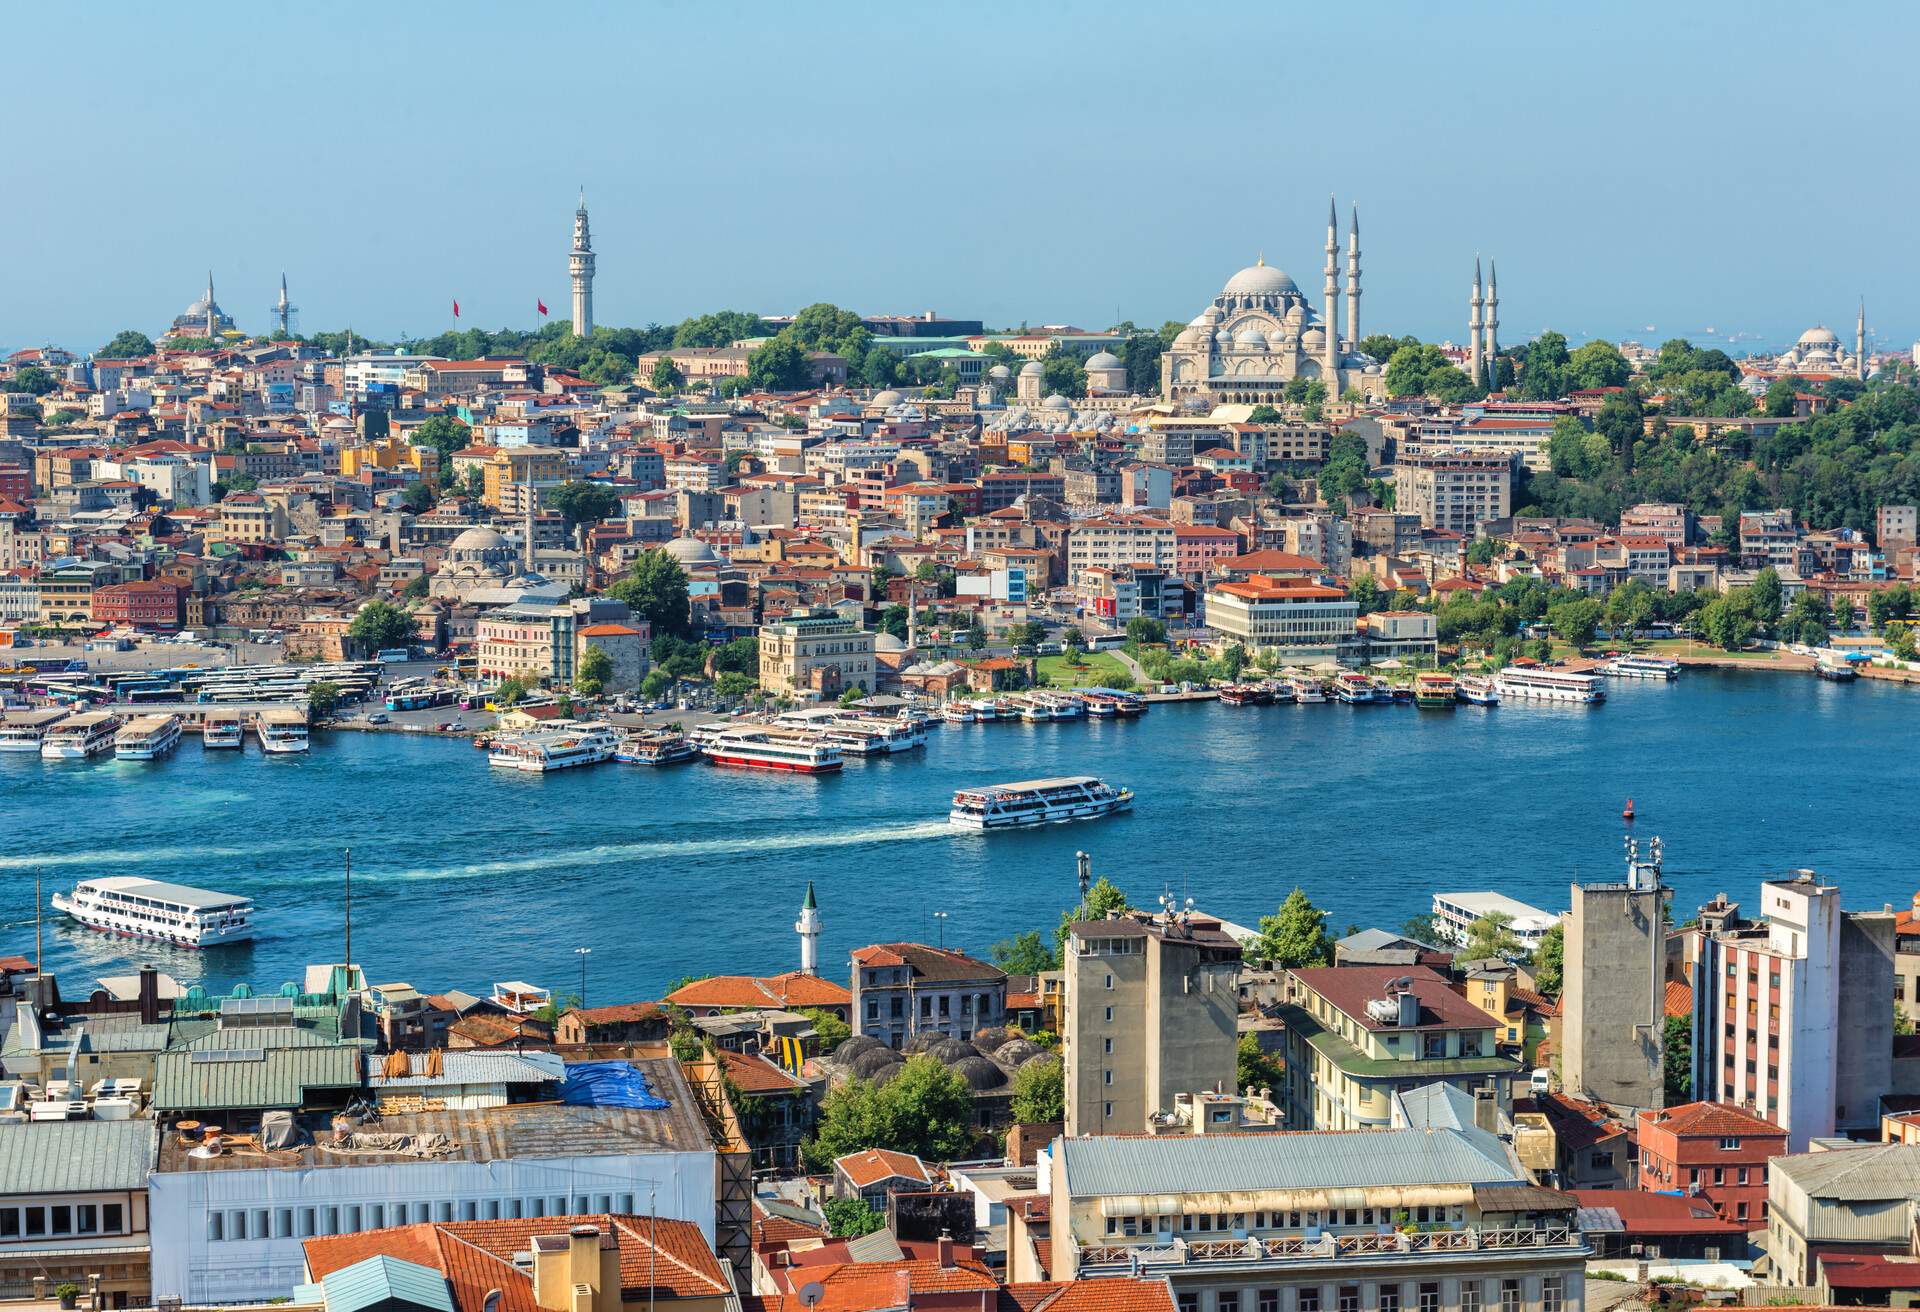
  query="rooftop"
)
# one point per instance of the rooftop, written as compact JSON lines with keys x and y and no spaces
{"x":71,"y":1157}
{"x":1292,"y":1160}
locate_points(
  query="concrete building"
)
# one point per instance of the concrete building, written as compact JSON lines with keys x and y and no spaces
{"x":818,"y":651}
{"x":73,"y":1205}
{"x":625,"y":647}
{"x":1853,"y":1198}
{"x":1358,"y":1034}
{"x":1896,"y":527}
{"x":1151,"y":1004}
{"x":1410,"y":1219}
{"x":1111,"y":540}
{"x":1303,"y":621}
{"x":1791,"y":1014}
{"x":903,"y":990}
{"x":1613,"y":1006}
{"x":1455,"y":490}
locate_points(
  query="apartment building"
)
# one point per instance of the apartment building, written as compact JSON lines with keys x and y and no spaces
{"x":903,"y":990}
{"x":1673,"y":524}
{"x":1769,"y":537}
{"x":1792,"y":1014}
{"x":505,"y":473}
{"x":1301,"y":620}
{"x":1407,"y":1220}
{"x":1457,"y":490}
{"x":1711,"y":1151}
{"x":1110,"y":540}
{"x":1613,"y":1004}
{"x":818,"y":651}
{"x":1151,"y":1008}
{"x":73,"y":1208}
{"x":1357,"y":1034}
{"x":248,"y":517}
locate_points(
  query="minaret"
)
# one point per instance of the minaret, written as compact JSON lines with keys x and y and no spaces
{"x":1473,"y":325}
{"x":1352,"y":281}
{"x":283,"y":309}
{"x":1493,"y":324}
{"x":580,"y":266}
{"x":808,"y":928}
{"x":527,"y":549}
{"x":212,"y":324}
{"x":1860,"y":343}
{"x":1330,"y":364}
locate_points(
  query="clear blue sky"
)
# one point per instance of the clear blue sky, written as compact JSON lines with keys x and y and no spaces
{"x":1679,"y":165}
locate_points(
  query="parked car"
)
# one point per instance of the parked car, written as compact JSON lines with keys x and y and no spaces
{"x":379,"y":717}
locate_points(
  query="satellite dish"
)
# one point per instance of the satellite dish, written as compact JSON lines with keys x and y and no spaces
{"x":811,"y":1293}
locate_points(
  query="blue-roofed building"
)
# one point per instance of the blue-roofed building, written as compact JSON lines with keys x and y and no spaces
{"x":1311,"y":1222}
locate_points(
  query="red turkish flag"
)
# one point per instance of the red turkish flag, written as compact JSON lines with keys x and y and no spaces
{"x":456,"y":309}
{"x":542,"y":304}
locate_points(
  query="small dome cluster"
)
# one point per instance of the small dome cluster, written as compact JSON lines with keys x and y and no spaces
{"x":987,"y":1063}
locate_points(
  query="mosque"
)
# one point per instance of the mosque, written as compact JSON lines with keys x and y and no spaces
{"x":1819,"y":354}
{"x":1261,"y":333}
{"x":204,"y":318}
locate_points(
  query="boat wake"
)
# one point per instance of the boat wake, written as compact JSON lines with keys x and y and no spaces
{"x":661,"y":849}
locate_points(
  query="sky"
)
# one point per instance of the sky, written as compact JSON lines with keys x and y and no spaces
{"x":1643,"y":170}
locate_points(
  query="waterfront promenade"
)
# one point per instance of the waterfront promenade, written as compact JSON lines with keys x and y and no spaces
{"x":464,"y":875}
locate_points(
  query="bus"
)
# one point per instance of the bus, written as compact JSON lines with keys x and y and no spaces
{"x":393,"y":655}
{"x":419,"y":699}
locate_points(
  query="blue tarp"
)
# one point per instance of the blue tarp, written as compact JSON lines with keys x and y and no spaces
{"x":609,"y":1084}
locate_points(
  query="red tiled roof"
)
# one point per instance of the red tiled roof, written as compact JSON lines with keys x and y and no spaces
{"x":755,"y":1074}
{"x":790,"y":989}
{"x":620,"y":1013}
{"x":1715,"y":1120}
{"x":1351,"y":988}
{"x":927,"y":962}
{"x":1576,"y":1124}
{"x":1659,"y":1214}
{"x":866,"y":1169}
{"x":1103,"y":1294}
{"x":1679,"y":999}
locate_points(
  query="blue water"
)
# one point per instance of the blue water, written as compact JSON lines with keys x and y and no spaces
{"x":464,"y":875}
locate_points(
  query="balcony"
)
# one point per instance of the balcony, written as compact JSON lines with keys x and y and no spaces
{"x":1109,"y":1259}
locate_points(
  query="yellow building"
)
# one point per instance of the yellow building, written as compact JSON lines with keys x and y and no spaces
{"x":509,"y":469}
{"x":249,"y":517}
{"x":815,"y":651}
{"x":390,"y":453}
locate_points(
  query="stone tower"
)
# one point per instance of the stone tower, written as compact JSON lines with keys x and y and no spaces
{"x":1330,"y":363}
{"x":1353,"y":279}
{"x":1612,"y":1031}
{"x":580,"y":267}
{"x":808,"y":928}
{"x":1493,"y":324}
{"x":1473,"y":324}
{"x":1860,"y":343}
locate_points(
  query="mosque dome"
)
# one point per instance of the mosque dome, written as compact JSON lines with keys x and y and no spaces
{"x":1056,"y":402}
{"x":1314,"y":339}
{"x":476,"y":540}
{"x":874,"y":1060}
{"x":948,"y":1051}
{"x":1820,"y":336}
{"x":1277,"y":340}
{"x":887,"y":642}
{"x":691,"y":551}
{"x":1260,"y":280}
{"x":992,"y":1037}
{"x":889,"y":397}
{"x":1253,"y":337}
{"x":999,"y":373}
{"x":1104,"y":360}
{"x":1015,"y":1051}
{"x":979,"y":1073}
{"x":1031,"y":369}
{"x":853,"y":1047}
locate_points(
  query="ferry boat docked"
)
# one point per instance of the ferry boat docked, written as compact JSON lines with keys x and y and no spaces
{"x":959,"y":712}
{"x":1245,"y":694}
{"x":23,"y":731}
{"x":1476,"y":690}
{"x":1641,"y":667}
{"x":282,"y":730}
{"x":556,"y":748}
{"x":222,"y":730}
{"x":1037,"y":802}
{"x":80,"y":737}
{"x":147,"y":738}
{"x":1433,"y":691}
{"x":655,"y":749}
{"x":1548,"y":685}
{"x":1355,"y":689}
{"x":768,"y":747}
{"x":167,"y":913}
{"x":1839,"y":671}
{"x":1307,"y":691}
{"x":860,"y":735}
{"x":1112,"y":702}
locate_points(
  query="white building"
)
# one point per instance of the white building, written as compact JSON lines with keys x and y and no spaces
{"x":1302,"y":620}
{"x":1454,"y":914}
{"x":1112,"y":540}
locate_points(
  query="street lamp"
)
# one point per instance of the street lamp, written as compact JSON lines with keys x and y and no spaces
{"x":583,"y":954}
{"x":941,"y":916}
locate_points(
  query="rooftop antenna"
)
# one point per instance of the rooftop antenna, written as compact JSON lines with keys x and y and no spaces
{"x":1083,"y":864}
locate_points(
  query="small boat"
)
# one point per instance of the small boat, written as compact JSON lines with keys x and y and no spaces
{"x":80,"y":737}
{"x":1037,"y":802}
{"x":1245,"y":694}
{"x":1433,"y":691}
{"x":1837,"y":671}
{"x":1401,"y":694}
{"x":767,"y":747}
{"x":23,"y":731}
{"x":282,"y":730}
{"x":560,"y":746}
{"x":223,"y":731}
{"x":147,"y":738}
{"x":1641,"y":667}
{"x":1476,"y":690}
{"x":957,"y":712}
{"x":1281,"y":692}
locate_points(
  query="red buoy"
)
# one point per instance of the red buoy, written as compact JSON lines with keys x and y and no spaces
{"x":1628,"y":813}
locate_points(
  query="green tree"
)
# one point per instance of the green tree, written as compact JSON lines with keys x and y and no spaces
{"x":444,"y":434}
{"x":1549,"y":961}
{"x":1103,"y":898}
{"x":1766,"y":595}
{"x":1366,"y":593}
{"x":723,"y":328}
{"x":1026,"y":953}
{"x":1676,"y":1060}
{"x":1039,"y":1093}
{"x":1888,"y":604}
{"x":1728,"y":622}
{"x":1293,"y":936}
{"x":1900,"y":641}
{"x":830,"y":1029}
{"x":381,"y":624}
{"x":323,"y":698}
{"x":742,"y":656}
{"x":1575,"y":621}
{"x":1254,"y":1068}
{"x":976,"y":635}
{"x":583,"y":503}
{"x":1063,"y":372}
{"x":417,"y":588}
{"x":656,"y":588}
{"x":733,"y":686}
{"x":666,"y":375}
{"x":418,"y":497}
{"x":1422,"y":928}
{"x":849,"y":1218}
{"x":1345,"y":470}
{"x":240,"y":481}
{"x":1491,"y":935}
{"x":32,"y":380}
{"x":1146,"y":631}
{"x":778,"y":366}
{"x":1264,"y":414}
{"x":595,"y":668}
{"x":655,"y":685}
{"x":1075,"y":643}
{"x":126,"y":344}
{"x":925,"y":1110}
{"x":1598,"y":364}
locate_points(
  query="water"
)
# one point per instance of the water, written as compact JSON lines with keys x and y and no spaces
{"x":464,"y":875}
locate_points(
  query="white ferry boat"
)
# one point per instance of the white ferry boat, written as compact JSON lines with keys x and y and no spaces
{"x":168,"y":913}
{"x":1037,"y":802}
{"x":79,"y":737}
{"x":655,"y":749}
{"x":1548,"y":685}
{"x":282,"y":730}
{"x":147,"y":738}
{"x":1641,"y":667}
{"x":222,"y":730}
{"x":24,"y":730}
{"x":1356,"y":689}
{"x":767,"y":747}
{"x":1307,"y":691}
{"x":860,"y":735}
{"x":557,"y":748}
{"x":987,"y":709}
{"x":1476,"y":690}
{"x":958,"y":712}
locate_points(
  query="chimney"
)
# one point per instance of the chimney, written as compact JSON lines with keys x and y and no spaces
{"x":583,"y":1261}
{"x":1486,"y":1111}
{"x":945,"y":1249}
{"x":149,"y":996}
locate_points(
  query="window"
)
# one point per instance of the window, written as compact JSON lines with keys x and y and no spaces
{"x":1603,"y":1161}
{"x":1470,"y":1299}
{"x":110,"y":1217}
{"x":1189,"y":1302}
{"x":1267,"y":1300}
{"x":1730,"y":1144}
{"x":1509,"y":1296}
{"x":1109,"y":981}
{"x":1553,"y":1294}
{"x":1107,"y":1110}
{"x":10,"y":1223}
{"x":1429,"y":1297}
{"x":1226,"y":1301}
{"x":1109,"y":1047}
{"x":1109,"y":1015}
{"x":1347,"y":1299}
{"x":1309,"y":1300}
{"x":1389,"y":1300}
{"x":63,"y":1220}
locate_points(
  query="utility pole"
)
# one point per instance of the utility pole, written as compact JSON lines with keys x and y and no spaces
{"x":583,"y":954}
{"x":39,"y":959}
{"x":348,"y":853}
{"x":941,"y":916}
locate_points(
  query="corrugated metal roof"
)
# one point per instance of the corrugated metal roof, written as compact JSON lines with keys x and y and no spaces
{"x":1880,"y":1171}
{"x":256,"y":1078}
{"x":458,"y":1067}
{"x":256,"y":1036}
{"x":382,"y":1279}
{"x":1302,"y":1160}
{"x":56,"y":1157}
